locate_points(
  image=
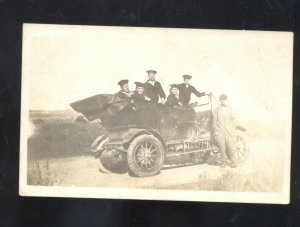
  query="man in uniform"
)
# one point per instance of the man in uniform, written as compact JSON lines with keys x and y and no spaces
{"x":186,"y":90}
{"x":153,"y":88}
{"x":139,"y":97}
{"x":124,"y":93}
{"x":224,"y":132}
{"x":144,"y":113}
{"x":173,"y":99}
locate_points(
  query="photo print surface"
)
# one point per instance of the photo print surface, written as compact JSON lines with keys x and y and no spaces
{"x":156,"y":113}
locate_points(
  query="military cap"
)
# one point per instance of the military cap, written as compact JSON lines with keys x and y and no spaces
{"x":223,"y":97}
{"x":174,"y":86}
{"x":187,"y":76}
{"x":123,"y":82}
{"x":151,"y":71}
{"x":139,"y":84}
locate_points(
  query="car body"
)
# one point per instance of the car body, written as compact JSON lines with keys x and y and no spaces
{"x":146,"y":137}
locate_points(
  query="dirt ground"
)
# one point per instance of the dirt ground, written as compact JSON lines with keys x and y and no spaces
{"x":263,"y":171}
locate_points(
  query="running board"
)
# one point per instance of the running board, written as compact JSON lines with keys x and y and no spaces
{"x":188,"y":152}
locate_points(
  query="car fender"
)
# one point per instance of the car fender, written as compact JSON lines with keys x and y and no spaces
{"x":136,"y":132}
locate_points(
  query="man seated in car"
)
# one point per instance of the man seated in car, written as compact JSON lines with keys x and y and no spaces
{"x":153,"y":88}
{"x":139,"y":98}
{"x":182,"y":114}
{"x":124,"y":93}
{"x":186,"y":89}
{"x":143,"y":111}
{"x":173,"y":99}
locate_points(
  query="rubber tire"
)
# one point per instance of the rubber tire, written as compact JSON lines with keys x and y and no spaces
{"x":244,"y":138}
{"x":119,"y":168}
{"x":102,"y":167}
{"x":94,"y":145}
{"x":135,"y":170}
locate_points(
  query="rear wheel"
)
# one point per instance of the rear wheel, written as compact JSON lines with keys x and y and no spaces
{"x":241,"y":146}
{"x":145,"y":156}
{"x":111,"y":161}
{"x":95,"y":147}
{"x":104,"y":168}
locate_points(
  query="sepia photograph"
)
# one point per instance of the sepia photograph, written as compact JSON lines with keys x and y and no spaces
{"x":156,"y":113}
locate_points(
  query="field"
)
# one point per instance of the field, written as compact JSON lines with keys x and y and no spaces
{"x":58,"y":154}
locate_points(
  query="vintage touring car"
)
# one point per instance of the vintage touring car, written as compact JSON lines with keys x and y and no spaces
{"x":143,"y":139}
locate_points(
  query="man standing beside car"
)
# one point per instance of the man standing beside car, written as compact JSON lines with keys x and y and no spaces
{"x":224,"y":132}
{"x":153,"y":88}
{"x":186,"y":89}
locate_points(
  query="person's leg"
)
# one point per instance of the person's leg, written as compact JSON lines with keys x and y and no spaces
{"x":230,"y":149}
{"x":220,"y":139}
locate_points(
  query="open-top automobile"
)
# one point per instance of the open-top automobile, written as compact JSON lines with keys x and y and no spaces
{"x":145,"y":138}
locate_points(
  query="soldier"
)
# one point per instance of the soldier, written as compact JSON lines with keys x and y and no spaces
{"x":124,"y":93}
{"x":139,"y":97}
{"x":153,"y":88}
{"x":186,"y":90}
{"x":173,"y":99}
{"x":224,"y":131}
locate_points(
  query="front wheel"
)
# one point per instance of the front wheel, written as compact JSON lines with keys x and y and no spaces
{"x":241,"y":146}
{"x":145,"y":156}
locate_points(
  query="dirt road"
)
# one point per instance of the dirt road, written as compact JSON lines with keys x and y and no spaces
{"x":265,"y":161}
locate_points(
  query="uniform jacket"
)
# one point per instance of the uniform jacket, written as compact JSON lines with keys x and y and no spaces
{"x":172,"y":100}
{"x":154,"y":91}
{"x":123,"y":95}
{"x":139,"y":99}
{"x":223,"y":122}
{"x":185,"y":93}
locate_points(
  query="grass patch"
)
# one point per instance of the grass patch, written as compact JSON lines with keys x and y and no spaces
{"x":39,"y":174}
{"x":57,"y":138}
{"x":233,"y":182}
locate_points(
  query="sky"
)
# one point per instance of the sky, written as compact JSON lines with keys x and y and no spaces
{"x":63,"y":64}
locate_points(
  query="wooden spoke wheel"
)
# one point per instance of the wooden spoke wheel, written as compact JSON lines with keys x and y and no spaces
{"x":241,"y":146}
{"x":145,"y":156}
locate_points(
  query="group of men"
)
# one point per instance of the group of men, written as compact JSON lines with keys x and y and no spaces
{"x":180,"y":95}
{"x":152,"y":91}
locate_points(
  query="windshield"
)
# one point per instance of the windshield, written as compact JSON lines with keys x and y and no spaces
{"x":207,"y":102}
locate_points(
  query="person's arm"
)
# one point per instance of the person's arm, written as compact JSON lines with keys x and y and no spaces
{"x":172,"y":101}
{"x":161,"y":93}
{"x":169,"y":101}
{"x":214,"y":121}
{"x":146,"y":90}
{"x":133,"y":102}
{"x":232,"y":115}
{"x":179,"y":103}
{"x":147,"y":98}
{"x":197,"y":93}
{"x":120,"y":95}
